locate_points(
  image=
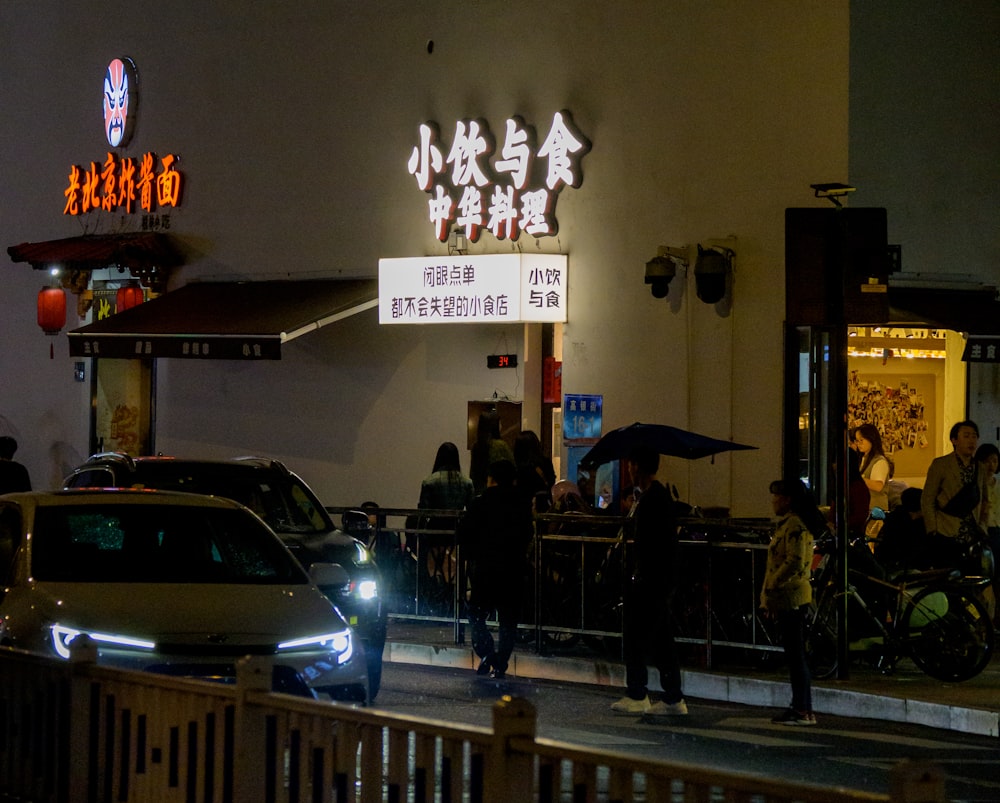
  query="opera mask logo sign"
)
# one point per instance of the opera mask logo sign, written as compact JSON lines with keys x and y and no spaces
{"x":121,"y":96}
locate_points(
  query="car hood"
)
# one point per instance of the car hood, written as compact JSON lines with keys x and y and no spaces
{"x":164,"y":612}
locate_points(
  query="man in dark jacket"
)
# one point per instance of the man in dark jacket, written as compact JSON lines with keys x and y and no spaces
{"x":494,"y":536}
{"x":647,"y":630}
{"x":13,"y":476}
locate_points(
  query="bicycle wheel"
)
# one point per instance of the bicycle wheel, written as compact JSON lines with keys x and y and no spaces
{"x":948,"y":633}
{"x":821,"y":638}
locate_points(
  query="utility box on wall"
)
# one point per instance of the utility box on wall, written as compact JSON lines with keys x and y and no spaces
{"x":836,"y":266}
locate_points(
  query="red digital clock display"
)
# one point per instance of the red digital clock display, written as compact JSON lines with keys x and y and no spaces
{"x":501,"y":361}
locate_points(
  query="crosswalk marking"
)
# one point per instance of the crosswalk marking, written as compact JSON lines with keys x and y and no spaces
{"x":886,"y":738}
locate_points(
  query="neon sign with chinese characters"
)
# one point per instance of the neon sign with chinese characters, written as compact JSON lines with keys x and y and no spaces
{"x":122,"y":182}
{"x":515,"y":193}
{"x":497,"y":288}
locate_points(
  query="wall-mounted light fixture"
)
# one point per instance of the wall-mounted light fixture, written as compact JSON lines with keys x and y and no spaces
{"x":712,"y":271}
{"x":662,"y":268}
{"x":458,"y":243}
{"x":832,"y":191}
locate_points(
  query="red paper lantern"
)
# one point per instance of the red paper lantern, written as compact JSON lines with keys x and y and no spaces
{"x":128,"y":296}
{"x":51,"y":309}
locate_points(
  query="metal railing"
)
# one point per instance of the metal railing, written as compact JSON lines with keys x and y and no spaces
{"x":75,"y":732}
{"x":577,"y":565}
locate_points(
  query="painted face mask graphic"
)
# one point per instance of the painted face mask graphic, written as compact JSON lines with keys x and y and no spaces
{"x":116,"y":92}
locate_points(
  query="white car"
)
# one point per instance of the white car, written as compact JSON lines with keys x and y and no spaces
{"x":174,"y":583}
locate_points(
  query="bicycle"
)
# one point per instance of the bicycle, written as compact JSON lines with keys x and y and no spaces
{"x":932,"y":617}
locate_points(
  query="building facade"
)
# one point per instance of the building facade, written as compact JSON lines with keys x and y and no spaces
{"x":296,"y":134}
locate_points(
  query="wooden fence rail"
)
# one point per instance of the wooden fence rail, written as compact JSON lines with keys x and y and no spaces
{"x":76,"y":732}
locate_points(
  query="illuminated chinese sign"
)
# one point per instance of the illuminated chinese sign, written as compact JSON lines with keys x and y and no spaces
{"x":123,"y":183}
{"x":515,"y":192}
{"x":982,"y":349}
{"x":498,"y":288}
{"x":120,"y":183}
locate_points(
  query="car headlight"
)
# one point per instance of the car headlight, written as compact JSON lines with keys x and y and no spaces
{"x":62,"y":637}
{"x":339,"y":643}
{"x":364,"y":555}
{"x":366,"y":590}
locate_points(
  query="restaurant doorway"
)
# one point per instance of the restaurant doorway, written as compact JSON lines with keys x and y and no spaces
{"x":909,"y":382}
{"x":122,"y":410}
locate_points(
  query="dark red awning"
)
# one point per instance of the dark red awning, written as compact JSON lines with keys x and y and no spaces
{"x":94,"y":251}
{"x":224,"y":320}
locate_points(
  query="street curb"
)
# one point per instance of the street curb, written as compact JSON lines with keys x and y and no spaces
{"x":827,"y":699}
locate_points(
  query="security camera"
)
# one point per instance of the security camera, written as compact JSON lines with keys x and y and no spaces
{"x":660,"y":270}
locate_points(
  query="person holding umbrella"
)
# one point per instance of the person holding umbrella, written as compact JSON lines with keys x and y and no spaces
{"x":647,"y":630}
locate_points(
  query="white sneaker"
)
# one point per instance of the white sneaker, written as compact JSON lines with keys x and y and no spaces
{"x":662,"y":709}
{"x":626,"y":705}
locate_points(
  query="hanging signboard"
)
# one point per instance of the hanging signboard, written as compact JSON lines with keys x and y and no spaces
{"x":496,"y":288}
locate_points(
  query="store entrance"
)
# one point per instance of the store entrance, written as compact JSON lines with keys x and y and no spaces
{"x":909,"y":382}
{"x":122,"y":406}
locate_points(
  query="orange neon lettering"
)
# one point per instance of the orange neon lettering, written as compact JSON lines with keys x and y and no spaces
{"x":91,"y":198}
{"x":168,"y":183}
{"x":126,"y":185}
{"x":110,"y":199}
{"x":72,"y":192}
{"x":146,"y":177}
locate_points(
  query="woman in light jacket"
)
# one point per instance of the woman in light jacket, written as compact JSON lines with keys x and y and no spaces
{"x":787,"y":593}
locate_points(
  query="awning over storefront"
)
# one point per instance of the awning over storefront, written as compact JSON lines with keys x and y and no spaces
{"x":975,"y":312}
{"x":148,"y":256}
{"x":224,"y":320}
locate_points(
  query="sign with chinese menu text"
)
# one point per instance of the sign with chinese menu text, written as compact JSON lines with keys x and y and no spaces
{"x":496,"y":288}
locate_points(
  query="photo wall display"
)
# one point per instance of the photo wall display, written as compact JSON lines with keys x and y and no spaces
{"x":901,"y":407}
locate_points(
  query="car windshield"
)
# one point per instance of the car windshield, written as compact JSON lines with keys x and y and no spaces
{"x":157,"y":544}
{"x":281,"y":501}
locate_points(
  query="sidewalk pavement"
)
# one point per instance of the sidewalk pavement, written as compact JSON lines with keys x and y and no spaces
{"x":907,"y":695}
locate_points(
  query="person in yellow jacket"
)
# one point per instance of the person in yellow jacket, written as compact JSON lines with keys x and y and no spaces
{"x":787,"y":593}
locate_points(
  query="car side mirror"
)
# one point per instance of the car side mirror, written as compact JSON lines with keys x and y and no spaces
{"x":354,"y":521}
{"x":325,"y":575}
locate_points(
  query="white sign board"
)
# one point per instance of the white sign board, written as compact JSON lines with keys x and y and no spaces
{"x":496,"y":288}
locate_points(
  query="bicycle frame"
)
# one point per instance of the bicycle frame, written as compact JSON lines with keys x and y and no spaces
{"x":933,"y":617}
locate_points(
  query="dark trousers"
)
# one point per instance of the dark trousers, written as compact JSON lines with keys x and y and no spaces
{"x":648,"y":635}
{"x":792,"y":626}
{"x":507,"y":608}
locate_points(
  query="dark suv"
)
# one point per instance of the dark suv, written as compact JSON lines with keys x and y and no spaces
{"x":287,"y":505}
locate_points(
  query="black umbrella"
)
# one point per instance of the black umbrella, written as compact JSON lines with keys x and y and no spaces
{"x":661,"y":437}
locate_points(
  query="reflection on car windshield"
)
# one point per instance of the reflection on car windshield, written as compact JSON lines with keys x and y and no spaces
{"x":156,"y":544}
{"x":285,"y":506}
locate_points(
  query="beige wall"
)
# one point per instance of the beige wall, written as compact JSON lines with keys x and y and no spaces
{"x":294,"y":122}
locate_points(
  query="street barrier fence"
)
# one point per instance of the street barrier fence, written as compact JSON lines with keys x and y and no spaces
{"x":577,"y":565}
{"x":76,"y":732}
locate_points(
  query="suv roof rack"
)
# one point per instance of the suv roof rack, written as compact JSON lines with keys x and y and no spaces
{"x":264,"y":462}
{"x":115,"y":457}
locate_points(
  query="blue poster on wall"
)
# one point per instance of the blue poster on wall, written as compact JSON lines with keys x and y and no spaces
{"x":581,"y":419}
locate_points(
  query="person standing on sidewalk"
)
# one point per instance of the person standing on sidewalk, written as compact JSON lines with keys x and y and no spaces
{"x":956,"y":502}
{"x":13,"y":476}
{"x":494,"y":535}
{"x":647,"y":629}
{"x":787,"y":593}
